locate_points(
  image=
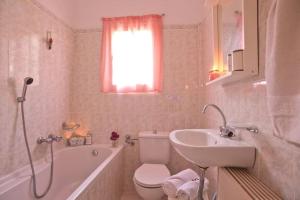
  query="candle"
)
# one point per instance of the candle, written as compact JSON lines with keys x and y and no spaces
{"x":67,"y":134}
{"x":213,"y":74}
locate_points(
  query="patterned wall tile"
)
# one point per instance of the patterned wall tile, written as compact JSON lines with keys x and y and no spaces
{"x":23,"y":53}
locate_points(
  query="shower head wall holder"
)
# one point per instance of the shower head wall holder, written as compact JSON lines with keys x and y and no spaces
{"x":49,"y":40}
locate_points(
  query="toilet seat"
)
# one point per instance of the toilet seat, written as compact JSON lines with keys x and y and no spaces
{"x":151,"y":175}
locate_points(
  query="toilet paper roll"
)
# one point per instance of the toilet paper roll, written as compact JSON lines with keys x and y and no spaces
{"x":237,"y":60}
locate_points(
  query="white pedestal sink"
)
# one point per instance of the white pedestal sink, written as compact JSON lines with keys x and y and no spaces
{"x":206,"y":148}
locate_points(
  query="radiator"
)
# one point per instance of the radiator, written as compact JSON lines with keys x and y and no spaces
{"x":238,"y":184}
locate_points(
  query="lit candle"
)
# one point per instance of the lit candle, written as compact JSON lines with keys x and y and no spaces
{"x":67,"y":134}
{"x":213,"y":74}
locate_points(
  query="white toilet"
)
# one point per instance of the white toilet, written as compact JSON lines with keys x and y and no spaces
{"x":154,"y":155}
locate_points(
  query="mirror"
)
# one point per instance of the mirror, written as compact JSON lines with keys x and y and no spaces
{"x":235,"y":41}
{"x":230,"y":28}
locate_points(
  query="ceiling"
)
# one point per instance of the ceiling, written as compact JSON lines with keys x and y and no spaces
{"x":83,"y":14}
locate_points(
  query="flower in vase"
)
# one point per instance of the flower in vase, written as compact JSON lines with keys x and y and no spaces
{"x":114,"y":136}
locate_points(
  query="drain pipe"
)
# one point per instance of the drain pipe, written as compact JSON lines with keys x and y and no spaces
{"x":201,"y":182}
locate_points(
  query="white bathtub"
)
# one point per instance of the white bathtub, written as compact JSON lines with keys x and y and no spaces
{"x":75,"y":169}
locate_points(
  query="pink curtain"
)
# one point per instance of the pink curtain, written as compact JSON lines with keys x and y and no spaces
{"x":131,"y":23}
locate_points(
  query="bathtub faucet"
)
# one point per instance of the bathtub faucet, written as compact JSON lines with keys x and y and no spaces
{"x":49,"y":139}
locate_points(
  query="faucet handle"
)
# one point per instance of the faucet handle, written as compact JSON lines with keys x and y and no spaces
{"x":55,"y":138}
{"x":49,"y":139}
{"x":58,"y":138}
{"x":227,"y":131}
{"x":42,"y":140}
{"x":130,"y":140}
{"x":252,"y":129}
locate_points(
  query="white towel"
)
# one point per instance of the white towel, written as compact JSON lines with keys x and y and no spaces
{"x":188,"y":191}
{"x":185,"y":175}
{"x":283,"y":69}
{"x":171,"y":185}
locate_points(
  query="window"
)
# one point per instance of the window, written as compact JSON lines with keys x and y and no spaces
{"x":131,"y":57}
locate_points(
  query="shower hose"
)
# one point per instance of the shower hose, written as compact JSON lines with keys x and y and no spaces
{"x":38,"y":196}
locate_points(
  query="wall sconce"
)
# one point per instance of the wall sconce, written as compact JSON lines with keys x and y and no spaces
{"x":49,"y":40}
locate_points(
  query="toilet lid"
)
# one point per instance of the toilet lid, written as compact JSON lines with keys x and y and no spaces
{"x":151,"y":175}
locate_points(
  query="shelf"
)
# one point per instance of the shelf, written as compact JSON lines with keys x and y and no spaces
{"x":230,"y":77}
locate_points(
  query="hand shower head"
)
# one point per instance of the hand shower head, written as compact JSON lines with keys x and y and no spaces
{"x":27,"y":81}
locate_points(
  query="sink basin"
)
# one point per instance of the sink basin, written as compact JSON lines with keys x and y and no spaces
{"x":206,"y":148}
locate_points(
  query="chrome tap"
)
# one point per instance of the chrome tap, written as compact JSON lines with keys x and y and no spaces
{"x":49,"y":139}
{"x":225,"y":131}
{"x":130,"y":140}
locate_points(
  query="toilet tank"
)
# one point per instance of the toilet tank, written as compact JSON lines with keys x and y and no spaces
{"x":154,"y":147}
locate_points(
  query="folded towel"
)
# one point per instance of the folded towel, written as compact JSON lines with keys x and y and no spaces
{"x":185,"y":175}
{"x":171,"y":185}
{"x":188,"y":191}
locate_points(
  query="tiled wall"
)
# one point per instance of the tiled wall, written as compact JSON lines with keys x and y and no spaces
{"x":23,"y":52}
{"x":277,"y":162}
{"x":176,"y":107}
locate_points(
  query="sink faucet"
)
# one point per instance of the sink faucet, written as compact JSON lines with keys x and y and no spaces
{"x":49,"y":139}
{"x":225,"y":131}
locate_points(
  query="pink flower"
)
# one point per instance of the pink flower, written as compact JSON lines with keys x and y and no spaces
{"x":114,"y":135}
